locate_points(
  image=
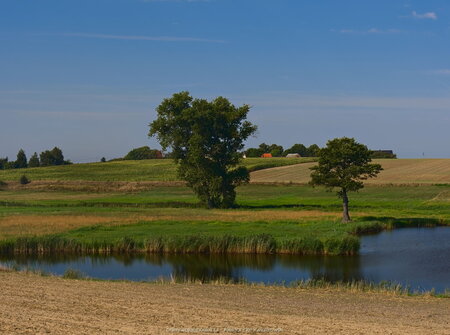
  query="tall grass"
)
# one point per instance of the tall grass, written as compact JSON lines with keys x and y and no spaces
{"x":257,"y":244}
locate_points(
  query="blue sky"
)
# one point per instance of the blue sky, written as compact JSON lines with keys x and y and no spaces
{"x":87,"y":75}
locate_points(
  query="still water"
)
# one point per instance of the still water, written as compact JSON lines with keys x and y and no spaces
{"x":419,"y":257}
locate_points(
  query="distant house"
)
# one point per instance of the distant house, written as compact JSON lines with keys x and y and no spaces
{"x":266,"y":155}
{"x":293,"y":156}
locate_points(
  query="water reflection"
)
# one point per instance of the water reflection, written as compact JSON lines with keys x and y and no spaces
{"x":201,"y":267}
{"x":416,"y":257}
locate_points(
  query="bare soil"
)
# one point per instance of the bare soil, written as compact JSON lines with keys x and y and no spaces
{"x":31,"y":304}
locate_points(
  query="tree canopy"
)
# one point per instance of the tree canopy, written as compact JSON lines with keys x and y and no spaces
{"x":205,"y":138}
{"x":143,"y":153}
{"x":52,"y":157}
{"x":344,"y":164}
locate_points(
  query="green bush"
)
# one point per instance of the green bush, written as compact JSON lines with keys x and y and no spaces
{"x":24,"y":180}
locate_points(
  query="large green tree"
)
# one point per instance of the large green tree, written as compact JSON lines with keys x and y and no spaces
{"x":205,"y":138}
{"x":344,"y":164}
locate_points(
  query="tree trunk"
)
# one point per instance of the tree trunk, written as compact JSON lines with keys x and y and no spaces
{"x":345,"y":216}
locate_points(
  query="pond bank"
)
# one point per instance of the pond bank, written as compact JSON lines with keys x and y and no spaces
{"x":322,"y":237}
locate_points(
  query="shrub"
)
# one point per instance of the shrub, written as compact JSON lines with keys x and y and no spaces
{"x":73,"y":274}
{"x":24,"y":180}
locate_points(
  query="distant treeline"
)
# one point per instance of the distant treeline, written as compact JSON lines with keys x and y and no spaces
{"x":56,"y":157}
{"x":46,"y":158}
{"x":278,"y":151}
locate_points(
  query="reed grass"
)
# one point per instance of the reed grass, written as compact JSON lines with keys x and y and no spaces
{"x":73,"y":274}
{"x":353,"y":286}
{"x":388,"y":287}
{"x":190,"y":244}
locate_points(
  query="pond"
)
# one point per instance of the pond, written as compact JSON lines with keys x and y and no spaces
{"x":418,"y":257}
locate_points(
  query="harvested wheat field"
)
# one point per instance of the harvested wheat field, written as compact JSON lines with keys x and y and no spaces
{"x":33,"y":304}
{"x":396,"y":171}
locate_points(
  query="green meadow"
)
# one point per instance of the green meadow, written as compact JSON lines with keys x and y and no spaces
{"x":293,"y":219}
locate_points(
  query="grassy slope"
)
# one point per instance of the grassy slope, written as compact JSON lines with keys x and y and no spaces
{"x":177,"y":219}
{"x":146,"y":170}
{"x":396,"y":171}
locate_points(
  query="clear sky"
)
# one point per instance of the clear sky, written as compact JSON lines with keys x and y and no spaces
{"x":86,"y":75}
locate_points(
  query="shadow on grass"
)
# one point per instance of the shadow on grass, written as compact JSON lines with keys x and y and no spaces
{"x":282,"y":206}
{"x":168,"y":204}
{"x":165,"y":204}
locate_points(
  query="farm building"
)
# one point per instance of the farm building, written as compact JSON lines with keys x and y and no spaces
{"x":266,"y":155}
{"x":293,"y":156}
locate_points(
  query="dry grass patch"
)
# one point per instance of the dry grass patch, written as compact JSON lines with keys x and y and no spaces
{"x":26,"y":225}
{"x":41,"y":195}
{"x":168,"y":214}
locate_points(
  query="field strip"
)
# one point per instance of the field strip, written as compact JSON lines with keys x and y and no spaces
{"x":396,"y":171}
{"x":33,"y":304}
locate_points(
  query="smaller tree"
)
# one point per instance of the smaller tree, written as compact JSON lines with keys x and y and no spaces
{"x":253,"y":152}
{"x":21,"y":161}
{"x":313,"y":150}
{"x":103,"y":160}
{"x":58,"y":157}
{"x":265,"y":148}
{"x":3,"y":163}
{"x":276,"y":150}
{"x":53,"y":157}
{"x":46,"y":158}
{"x":344,"y":164}
{"x":34,"y":161}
